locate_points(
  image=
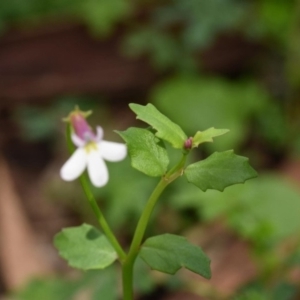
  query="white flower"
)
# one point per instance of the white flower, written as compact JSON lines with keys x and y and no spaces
{"x":91,"y":152}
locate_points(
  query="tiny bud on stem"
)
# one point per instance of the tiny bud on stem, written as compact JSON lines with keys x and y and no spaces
{"x":188,"y":143}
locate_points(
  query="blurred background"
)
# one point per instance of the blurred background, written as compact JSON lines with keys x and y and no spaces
{"x":225,"y":63}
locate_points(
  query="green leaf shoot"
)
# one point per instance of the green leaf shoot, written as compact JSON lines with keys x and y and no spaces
{"x":166,"y":129}
{"x":219,"y":171}
{"x":146,"y":151}
{"x":207,"y":136}
{"x":85,"y":248}
{"x":168,"y":253}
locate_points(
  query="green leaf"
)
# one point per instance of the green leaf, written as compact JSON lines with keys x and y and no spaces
{"x":207,"y":135}
{"x":84,"y":247}
{"x":166,"y":129}
{"x":168,"y":253}
{"x":146,"y":151}
{"x":219,"y":171}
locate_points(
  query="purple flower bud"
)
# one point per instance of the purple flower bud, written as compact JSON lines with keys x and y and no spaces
{"x":188,"y":143}
{"x":81,"y":127}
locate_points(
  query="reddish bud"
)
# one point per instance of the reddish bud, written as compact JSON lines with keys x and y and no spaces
{"x":188,"y":143}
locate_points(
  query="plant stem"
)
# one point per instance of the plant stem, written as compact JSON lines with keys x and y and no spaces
{"x":101,"y":220}
{"x":127,"y":267}
{"x":137,"y":239}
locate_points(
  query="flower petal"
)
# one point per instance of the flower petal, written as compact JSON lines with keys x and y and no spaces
{"x":74,"y":166}
{"x":99,"y":134}
{"x":77,"y":141}
{"x":97,"y":169}
{"x":112,"y":151}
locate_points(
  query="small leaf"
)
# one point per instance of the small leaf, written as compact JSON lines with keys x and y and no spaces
{"x":84,"y":247}
{"x":146,"y":151}
{"x":166,"y":129}
{"x":207,"y":135}
{"x":168,"y":253}
{"x":219,"y":171}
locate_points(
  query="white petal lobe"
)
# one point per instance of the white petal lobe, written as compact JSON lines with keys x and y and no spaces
{"x":112,"y":151}
{"x":99,"y":133}
{"x":97,"y":169}
{"x":74,"y":166}
{"x":77,"y":141}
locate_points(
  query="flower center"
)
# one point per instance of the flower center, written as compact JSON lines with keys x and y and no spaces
{"x":90,"y":146}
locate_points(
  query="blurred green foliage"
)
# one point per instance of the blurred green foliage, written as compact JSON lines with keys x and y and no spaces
{"x":100,"y":15}
{"x":275,"y":18}
{"x":91,"y":285}
{"x":178,"y":28}
{"x":255,"y":209}
{"x":256,"y":291}
{"x":40,"y":123}
{"x":202,"y":102}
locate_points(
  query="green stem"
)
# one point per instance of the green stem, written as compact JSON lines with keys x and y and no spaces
{"x":101,"y":220}
{"x":93,"y":203}
{"x":127,"y":280}
{"x":127,"y":268}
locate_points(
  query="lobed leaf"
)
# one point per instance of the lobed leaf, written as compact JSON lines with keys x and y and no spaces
{"x":168,"y":253}
{"x":146,"y":151}
{"x":166,"y":129}
{"x":219,"y":171}
{"x":207,"y":136}
{"x":84,"y":247}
